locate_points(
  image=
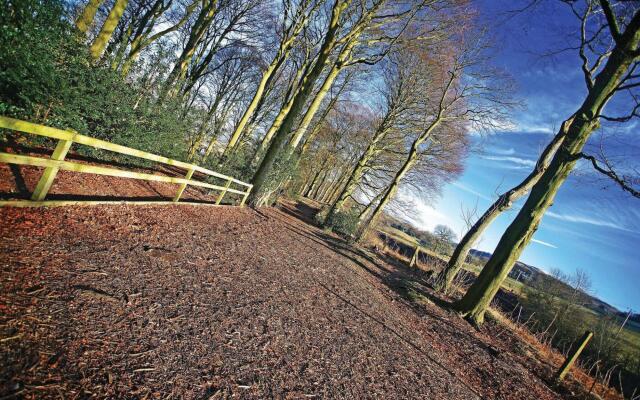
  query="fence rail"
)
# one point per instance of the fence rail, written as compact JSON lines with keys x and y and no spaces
{"x":66,"y":138}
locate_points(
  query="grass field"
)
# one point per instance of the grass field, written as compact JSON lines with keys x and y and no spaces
{"x":509,"y":283}
{"x":629,"y":336}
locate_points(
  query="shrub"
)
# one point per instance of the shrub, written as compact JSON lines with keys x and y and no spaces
{"x":344,"y":222}
{"x":46,"y":76}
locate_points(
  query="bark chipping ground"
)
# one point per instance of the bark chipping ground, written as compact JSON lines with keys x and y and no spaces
{"x":200,"y":302}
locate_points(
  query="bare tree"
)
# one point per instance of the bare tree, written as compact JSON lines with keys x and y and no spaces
{"x":295,"y":19}
{"x":463,"y":93}
{"x":612,"y":71}
{"x":445,"y":237}
{"x":346,"y":26}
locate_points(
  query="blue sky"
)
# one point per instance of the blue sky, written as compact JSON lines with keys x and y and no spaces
{"x":592,"y":225}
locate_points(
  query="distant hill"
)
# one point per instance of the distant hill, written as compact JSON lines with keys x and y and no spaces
{"x":522,"y":272}
{"x":527,"y":273}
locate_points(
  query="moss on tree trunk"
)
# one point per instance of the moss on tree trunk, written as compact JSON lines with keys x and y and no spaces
{"x":475,"y":302}
{"x":100,"y":43}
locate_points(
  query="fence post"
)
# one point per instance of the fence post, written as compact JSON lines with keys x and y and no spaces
{"x":414,"y":258}
{"x":49,"y":174}
{"x":226,"y":187}
{"x":184,"y":185}
{"x":573,"y":356}
{"x":244,"y":198}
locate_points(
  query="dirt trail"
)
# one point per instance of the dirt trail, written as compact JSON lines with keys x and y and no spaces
{"x":204,"y":302}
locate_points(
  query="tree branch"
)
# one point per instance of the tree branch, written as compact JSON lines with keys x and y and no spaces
{"x":609,"y":172}
{"x":611,"y":20}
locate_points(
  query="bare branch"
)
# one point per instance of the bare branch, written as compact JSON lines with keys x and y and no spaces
{"x":609,"y":172}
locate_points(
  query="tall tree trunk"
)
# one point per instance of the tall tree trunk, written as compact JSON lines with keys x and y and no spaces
{"x":200,"y":135}
{"x":314,"y":182}
{"x":260,"y":178}
{"x":292,"y":91}
{"x":217,"y":129}
{"x":85,"y":19}
{"x":283,"y":53}
{"x":359,"y":170}
{"x":409,"y":162}
{"x":314,"y":107}
{"x":121,"y":45}
{"x":331,"y":181}
{"x":197,"y":140}
{"x":516,"y":237}
{"x":253,"y":105}
{"x":390,"y":192}
{"x":101,"y":41}
{"x":344,"y":176}
{"x":179,"y":71}
{"x":318,"y":185}
{"x":338,"y":65}
{"x":364,"y":213}
{"x":503,"y":203}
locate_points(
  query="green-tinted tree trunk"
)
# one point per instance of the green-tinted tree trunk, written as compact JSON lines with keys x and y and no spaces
{"x":88,"y":14}
{"x":367,"y":210}
{"x":197,"y":141}
{"x":217,"y":129}
{"x":314,"y":181}
{"x":314,"y":107}
{"x":292,"y":91}
{"x":101,"y":41}
{"x":260,"y":178}
{"x":253,"y":105}
{"x":475,"y":302}
{"x":200,"y":135}
{"x":123,"y":41}
{"x":179,"y":71}
{"x":359,"y":170}
{"x":318,"y":126}
{"x":283,"y":53}
{"x":307,"y":192}
{"x":339,"y":64}
{"x":409,"y":162}
{"x":503,"y":203}
{"x":331,"y":183}
{"x":143,"y":37}
{"x":322,"y":186}
{"x":390,"y":193}
{"x":338,"y":187}
{"x":319,"y":184}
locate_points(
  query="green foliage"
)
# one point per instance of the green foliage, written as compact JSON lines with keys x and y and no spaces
{"x":278,"y":177}
{"x":237,"y":163}
{"x":46,"y":77}
{"x":344,"y":222}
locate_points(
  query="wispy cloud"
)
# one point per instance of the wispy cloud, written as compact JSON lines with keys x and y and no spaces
{"x":528,"y":127}
{"x":503,"y":152}
{"x":582,"y":219}
{"x":469,"y":190}
{"x":520,"y":162}
{"x":533,"y":128}
{"x":544,"y":243}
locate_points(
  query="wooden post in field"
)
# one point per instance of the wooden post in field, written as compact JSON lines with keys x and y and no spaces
{"x":46,"y":180}
{"x":226,"y":187}
{"x":414,"y":258}
{"x":573,"y":356}
{"x":184,"y":185}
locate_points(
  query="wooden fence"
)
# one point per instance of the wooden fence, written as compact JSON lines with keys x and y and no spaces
{"x":68,"y":137}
